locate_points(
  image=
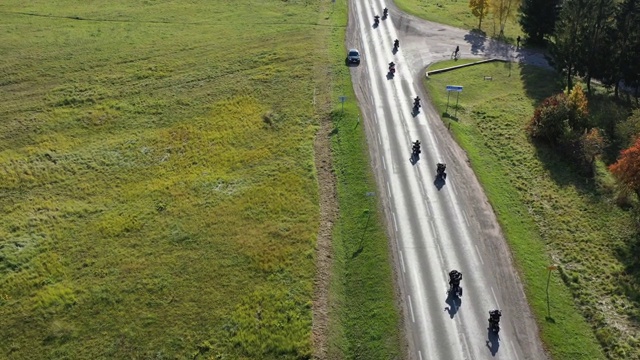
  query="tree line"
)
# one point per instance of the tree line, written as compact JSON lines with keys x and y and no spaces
{"x":593,"y":39}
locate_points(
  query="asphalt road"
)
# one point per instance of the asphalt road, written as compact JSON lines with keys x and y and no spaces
{"x":436,"y":226}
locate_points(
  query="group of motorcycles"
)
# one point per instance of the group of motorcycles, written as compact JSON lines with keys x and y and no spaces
{"x":376,"y":19}
{"x":456,"y":290}
{"x":454,"y":275}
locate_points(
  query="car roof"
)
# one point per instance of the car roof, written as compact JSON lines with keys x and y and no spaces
{"x":356,"y":50}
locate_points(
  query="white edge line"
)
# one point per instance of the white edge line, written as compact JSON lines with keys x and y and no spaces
{"x":419,"y":354}
{"x":379,"y":139}
{"x":389,"y":190}
{"x":514,"y":351}
{"x":433,"y":229}
{"x":495,"y":298}
{"x":384,"y":166}
{"x":466,"y":219}
{"x":413,"y":318}
{"x":395,"y":224}
{"x":402,"y":262}
{"x":480,"y":256}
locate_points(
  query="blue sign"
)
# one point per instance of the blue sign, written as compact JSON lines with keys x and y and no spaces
{"x":454,"y":88}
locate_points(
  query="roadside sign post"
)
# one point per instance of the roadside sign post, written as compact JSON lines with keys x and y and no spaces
{"x":550,"y":268}
{"x":457,"y":89}
{"x":366,"y":225}
{"x":342,"y":100}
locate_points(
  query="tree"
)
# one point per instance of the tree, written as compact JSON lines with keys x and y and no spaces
{"x":627,"y":168}
{"x":625,"y":38}
{"x":561,"y":118}
{"x":569,"y":38}
{"x":503,"y":10}
{"x":597,"y":53}
{"x":592,"y":144}
{"x":538,"y":18}
{"x":550,"y":119}
{"x":479,"y":9}
{"x":578,"y":109}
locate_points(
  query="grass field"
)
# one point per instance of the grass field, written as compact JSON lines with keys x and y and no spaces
{"x":550,"y":214}
{"x":159,"y":195}
{"x":457,"y":13}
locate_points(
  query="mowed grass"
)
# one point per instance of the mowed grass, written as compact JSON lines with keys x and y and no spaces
{"x":158,"y":190}
{"x":549,"y":214}
{"x":365,"y":322}
{"x":457,"y":13}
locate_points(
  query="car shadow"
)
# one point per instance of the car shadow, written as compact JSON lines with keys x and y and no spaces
{"x":493,"y":342}
{"x":350,"y":64}
{"x":454,"y":303}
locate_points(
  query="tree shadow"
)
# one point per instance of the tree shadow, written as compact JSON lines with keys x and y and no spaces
{"x":493,"y":342}
{"x":476,"y":38}
{"x":540,"y":83}
{"x":629,"y":279}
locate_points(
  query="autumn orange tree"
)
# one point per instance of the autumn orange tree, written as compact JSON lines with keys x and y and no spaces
{"x":627,"y":168}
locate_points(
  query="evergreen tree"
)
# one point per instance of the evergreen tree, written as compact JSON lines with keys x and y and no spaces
{"x":538,"y":18}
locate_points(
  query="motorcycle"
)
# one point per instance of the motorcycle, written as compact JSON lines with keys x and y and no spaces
{"x":416,"y":148}
{"x":440,"y":170}
{"x":392,"y":68}
{"x":396,"y":45}
{"x":385,"y":13}
{"x":494,"y":320}
{"x":376,"y":20}
{"x":454,"y":283}
{"x":416,"y":104}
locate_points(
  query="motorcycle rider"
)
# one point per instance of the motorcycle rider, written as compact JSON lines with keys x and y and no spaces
{"x":376,"y":19}
{"x":454,"y":279}
{"x":416,"y":102}
{"x":396,"y":43}
{"x":494,"y":319}
{"x":392,"y":66}
{"x":385,"y":12}
{"x":416,"y":147}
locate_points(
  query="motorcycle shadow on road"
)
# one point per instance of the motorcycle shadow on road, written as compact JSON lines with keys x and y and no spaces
{"x":414,"y":158}
{"x":454,"y":303}
{"x":439,"y":182}
{"x":389,"y":75}
{"x":493,"y":343}
{"x":394,"y":51}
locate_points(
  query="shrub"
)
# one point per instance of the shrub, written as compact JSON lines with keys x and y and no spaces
{"x":550,"y":121}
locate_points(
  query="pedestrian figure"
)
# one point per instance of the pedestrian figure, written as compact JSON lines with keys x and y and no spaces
{"x":518,"y":42}
{"x":455,"y":53}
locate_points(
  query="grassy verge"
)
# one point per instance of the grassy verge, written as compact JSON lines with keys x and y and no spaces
{"x":458,"y":14}
{"x":548,"y":213}
{"x":365,"y":320}
{"x":159,"y":195}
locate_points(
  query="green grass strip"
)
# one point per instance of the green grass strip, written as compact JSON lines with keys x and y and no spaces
{"x":365,"y":322}
{"x":490,"y":127}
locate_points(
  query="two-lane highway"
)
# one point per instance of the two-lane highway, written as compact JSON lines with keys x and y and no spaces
{"x":436,"y":225}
